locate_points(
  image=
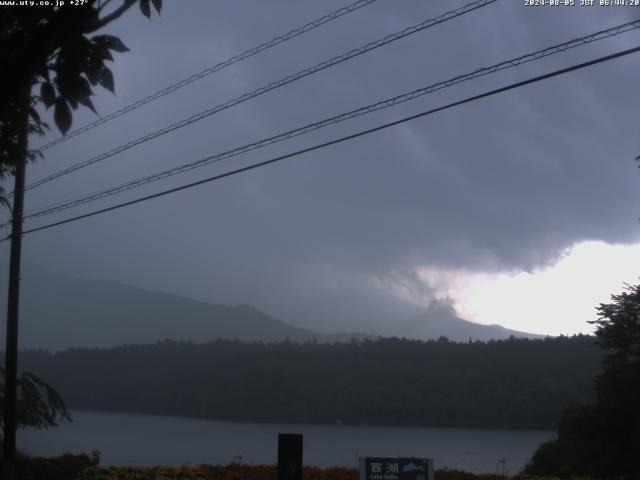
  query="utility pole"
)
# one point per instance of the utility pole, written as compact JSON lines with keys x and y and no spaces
{"x":13,"y":302}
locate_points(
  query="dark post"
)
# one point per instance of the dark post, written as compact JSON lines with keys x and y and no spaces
{"x":289,"y":456}
{"x":13,"y":303}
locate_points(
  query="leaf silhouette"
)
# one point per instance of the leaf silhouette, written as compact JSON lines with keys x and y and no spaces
{"x":111,"y":42}
{"x":62,"y":115}
{"x":34,"y":115}
{"x":105,"y":78}
{"x":48,"y":94}
{"x":86,"y":101}
{"x":145,"y":8}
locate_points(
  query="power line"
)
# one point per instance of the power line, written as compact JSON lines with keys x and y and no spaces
{"x":602,"y":34}
{"x":215,"y":68}
{"x":272,"y":86}
{"x":341,"y":139}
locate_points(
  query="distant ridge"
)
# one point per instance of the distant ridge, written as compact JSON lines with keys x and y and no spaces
{"x":59,"y":311}
{"x":440,"y":320}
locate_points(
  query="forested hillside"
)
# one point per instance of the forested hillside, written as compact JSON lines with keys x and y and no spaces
{"x":511,"y":383}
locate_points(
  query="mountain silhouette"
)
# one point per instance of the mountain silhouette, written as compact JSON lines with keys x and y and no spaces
{"x":59,"y":311}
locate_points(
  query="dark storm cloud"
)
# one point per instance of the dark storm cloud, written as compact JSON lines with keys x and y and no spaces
{"x":506,"y":183}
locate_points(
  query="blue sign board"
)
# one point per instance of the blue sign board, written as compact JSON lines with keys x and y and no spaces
{"x":395,"y":468}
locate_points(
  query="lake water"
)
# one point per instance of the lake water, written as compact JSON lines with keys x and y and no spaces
{"x":126,"y":439}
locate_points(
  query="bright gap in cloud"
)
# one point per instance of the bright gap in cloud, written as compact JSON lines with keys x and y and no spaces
{"x":557,"y":300}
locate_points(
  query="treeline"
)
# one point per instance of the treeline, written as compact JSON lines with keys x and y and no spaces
{"x":516,"y":383}
{"x":601,"y":439}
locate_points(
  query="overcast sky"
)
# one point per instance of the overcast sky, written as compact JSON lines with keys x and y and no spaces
{"x":520,"y":209}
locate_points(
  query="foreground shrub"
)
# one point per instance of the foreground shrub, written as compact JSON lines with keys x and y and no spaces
{"x":212,"y":472}
{"x":262,"y":472}
{"x":141,"y":473}
{"x":60,"y":468}
{"x":461,"y":475}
